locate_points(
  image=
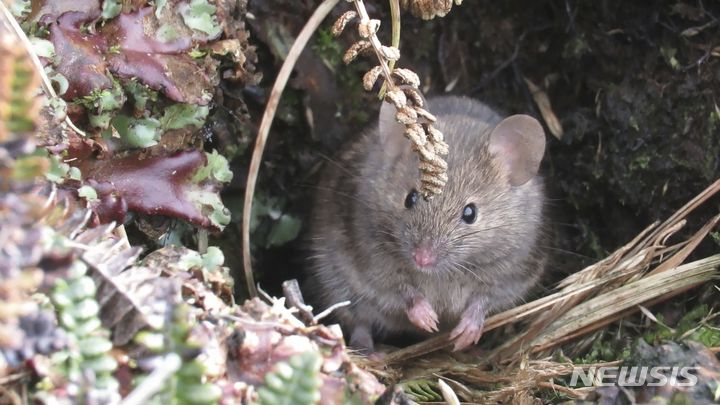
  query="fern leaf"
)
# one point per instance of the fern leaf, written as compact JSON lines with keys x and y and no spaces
{"x":18,"y":85}
{"x":89,"y":354}
{"x":421,"y":391}
{"x":296,"y":382}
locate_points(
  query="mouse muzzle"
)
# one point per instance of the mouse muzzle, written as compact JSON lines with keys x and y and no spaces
{"x":425,"y":255}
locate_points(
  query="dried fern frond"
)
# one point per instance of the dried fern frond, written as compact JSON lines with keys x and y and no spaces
{"x":429,"y":9}
{"x":402,"y":91}
{"x":131,"y":297}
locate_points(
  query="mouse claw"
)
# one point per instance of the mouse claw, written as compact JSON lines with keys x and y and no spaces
{"x":470,"y":328}
{"x":466,"y":334}
{"x":422,"y":315}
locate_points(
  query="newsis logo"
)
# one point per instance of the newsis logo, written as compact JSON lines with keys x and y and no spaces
{"x":635,"y":376}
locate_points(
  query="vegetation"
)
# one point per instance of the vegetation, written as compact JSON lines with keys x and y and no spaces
{"x":126,"y":133}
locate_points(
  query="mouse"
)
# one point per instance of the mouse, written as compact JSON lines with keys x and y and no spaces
{"x":413,"y":265}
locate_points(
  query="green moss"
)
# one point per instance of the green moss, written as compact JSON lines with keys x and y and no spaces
{"x":577,"y":47}
{"x":640,"y":162}
{"x":29,"y":167}
{"x":692,"y":326}
{"x":103,"y":104}
{"x":669,"y":54}
{"x":716,"y":237}
{"x":58,"y":169}
{"x":200,"y":15}
{"x":328,"y":48}
{"x":604,"y":350}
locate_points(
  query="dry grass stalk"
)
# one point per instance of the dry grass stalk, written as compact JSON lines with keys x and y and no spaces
{"x":543,"y":102}
{"x":601,"y":310}
{"x":607,"y":290}
{"x":628,"y":267}
{"x":530,"y":376}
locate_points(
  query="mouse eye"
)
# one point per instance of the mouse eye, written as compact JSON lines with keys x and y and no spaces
{"x":469,"y":214}
{"x":411,"y":198}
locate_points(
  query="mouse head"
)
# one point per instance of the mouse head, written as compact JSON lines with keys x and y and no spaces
{"x":491,"y":207}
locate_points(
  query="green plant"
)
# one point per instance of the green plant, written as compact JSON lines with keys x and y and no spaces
{"x":186,"y":385}
{"x":295,"y":382}
{"x":86,"y":362}
{"x":422,"y":390}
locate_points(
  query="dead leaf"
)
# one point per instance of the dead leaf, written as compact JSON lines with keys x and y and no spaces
{"x":543,"y":102}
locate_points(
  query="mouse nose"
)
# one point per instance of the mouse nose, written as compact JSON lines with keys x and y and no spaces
{"x":424,"y":255}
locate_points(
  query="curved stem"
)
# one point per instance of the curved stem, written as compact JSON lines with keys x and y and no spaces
{"x":395,"y":18}
{"x":317,"y":17}
{"x":395,"y":41}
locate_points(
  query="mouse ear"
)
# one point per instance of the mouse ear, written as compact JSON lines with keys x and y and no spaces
{"x":518,"y":142}
{"x":391,"y":132}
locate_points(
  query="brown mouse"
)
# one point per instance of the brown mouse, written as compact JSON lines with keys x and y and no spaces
{"x":408,"y":264}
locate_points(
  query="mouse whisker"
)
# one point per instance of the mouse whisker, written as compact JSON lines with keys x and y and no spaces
{"x":567,"y":252}
{"x":479,"y":231}
{"x":338,"y":165}
{"x":467,"y":269}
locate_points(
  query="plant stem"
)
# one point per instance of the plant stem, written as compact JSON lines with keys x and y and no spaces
{"x":376,"y":45}
{"x":395,"y":41}
{"x":282,"y":78}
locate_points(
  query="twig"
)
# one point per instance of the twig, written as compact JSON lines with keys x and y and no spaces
{"x":283,"y":75}
{"x":684,"y":211}
{"x":395,"y":19}
{"x":329,"y":310}
{"x":294,"y":298}
{"x":680,"y":256}
{"x":202,"y":241}
{"x":13,"y":378}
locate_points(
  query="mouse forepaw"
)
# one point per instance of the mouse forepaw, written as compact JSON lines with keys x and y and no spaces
{"x":470,"y":328}
{"x":422,"y":315}
{"x":466,"y":334}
